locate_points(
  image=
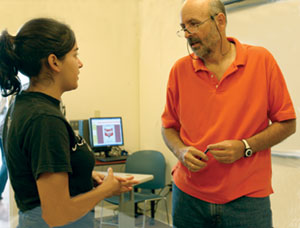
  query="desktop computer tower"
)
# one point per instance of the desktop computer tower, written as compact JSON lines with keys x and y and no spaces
{"x":82,"y":128}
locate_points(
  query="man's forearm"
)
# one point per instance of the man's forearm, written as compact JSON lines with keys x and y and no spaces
{"x":272,"y":135}
{"x":172,"y":140}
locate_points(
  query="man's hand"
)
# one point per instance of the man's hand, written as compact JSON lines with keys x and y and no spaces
{"x":227,"y":151}
{"x":192,"y":158}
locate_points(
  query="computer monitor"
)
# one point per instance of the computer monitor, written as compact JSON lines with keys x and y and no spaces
{"x":105,"y":132}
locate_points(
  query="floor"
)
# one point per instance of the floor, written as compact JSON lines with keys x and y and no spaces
{"x":110,"y":216}
{"x":150,"y":223}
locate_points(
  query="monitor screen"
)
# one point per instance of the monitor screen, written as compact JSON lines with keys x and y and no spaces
{"x":105,"y":132}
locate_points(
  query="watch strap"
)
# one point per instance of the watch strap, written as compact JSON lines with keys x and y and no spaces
{"x":248,"y":151}
{"x":246,"y":144}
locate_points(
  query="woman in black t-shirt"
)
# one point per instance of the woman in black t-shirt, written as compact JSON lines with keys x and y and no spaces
{"x":51,"y":169}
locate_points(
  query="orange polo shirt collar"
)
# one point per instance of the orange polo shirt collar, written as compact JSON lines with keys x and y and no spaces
{"x":240,"y":59}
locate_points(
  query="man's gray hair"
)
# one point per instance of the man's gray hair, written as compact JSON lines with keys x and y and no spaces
{"x":217,"y":6}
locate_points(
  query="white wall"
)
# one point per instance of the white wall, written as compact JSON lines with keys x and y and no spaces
{"x":159,"y":49}
{"x":286,"y":200}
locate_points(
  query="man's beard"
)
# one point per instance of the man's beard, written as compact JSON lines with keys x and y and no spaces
{"x":205,"y":45}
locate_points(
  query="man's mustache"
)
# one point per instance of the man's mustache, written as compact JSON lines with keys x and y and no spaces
{"x":192,"y":40}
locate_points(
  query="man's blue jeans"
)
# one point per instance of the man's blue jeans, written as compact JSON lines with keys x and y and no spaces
{"x":245,"y":212}
{"x":3,"y":171}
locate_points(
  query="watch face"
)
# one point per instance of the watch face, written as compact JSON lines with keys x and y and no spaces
{"x":248,"y":153}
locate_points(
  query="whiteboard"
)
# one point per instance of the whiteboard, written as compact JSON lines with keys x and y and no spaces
{"x":275,"y":26}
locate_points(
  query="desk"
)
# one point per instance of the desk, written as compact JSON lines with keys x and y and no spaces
{"x":126,"y":208}
{"x":118,"y":166}
{"x":97,"y":163}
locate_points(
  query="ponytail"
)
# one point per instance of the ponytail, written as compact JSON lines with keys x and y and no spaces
{"x":9,"y":80}
{"x":29,"y":49}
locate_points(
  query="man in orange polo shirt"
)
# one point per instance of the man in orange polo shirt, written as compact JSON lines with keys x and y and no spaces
{"x":227,"y":104}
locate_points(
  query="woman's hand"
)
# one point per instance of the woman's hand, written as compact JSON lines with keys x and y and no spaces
{"x":98,"y":177}
{"x":117,"y":185}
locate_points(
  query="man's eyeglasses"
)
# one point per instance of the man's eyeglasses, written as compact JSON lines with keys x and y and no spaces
{"x":191,"y":28}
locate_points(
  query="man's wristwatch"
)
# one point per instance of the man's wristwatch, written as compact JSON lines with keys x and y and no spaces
{"x":248,"y":151}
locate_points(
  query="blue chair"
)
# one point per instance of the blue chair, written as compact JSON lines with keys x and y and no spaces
{"x":145,"y":162}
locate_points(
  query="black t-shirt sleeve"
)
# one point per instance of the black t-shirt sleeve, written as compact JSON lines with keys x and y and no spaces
{"x":48,"y":146}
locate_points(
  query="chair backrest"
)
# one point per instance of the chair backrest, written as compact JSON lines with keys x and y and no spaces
{"x":148,"y":162}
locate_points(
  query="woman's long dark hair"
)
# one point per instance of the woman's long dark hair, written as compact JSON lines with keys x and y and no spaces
{"x":25,"y":52}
